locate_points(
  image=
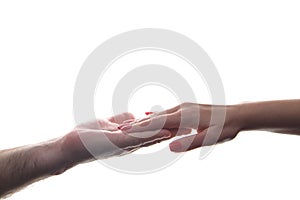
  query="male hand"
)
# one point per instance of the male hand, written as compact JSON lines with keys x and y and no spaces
{"x":102,"y":139}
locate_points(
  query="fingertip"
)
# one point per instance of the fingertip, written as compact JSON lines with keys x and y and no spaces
{"x":149,"y":113}
{"x":163,"y":134}
{"x":125,"y":127}
{"x":167,"y":134}
{"x":175,"y":146}
{"x":121,"y":126}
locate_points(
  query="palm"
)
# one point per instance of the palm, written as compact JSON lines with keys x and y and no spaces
{"x":102,"y":139}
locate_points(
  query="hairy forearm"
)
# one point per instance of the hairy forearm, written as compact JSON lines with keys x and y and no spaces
{"x":22,"y":166}
{"x":276,"y":116}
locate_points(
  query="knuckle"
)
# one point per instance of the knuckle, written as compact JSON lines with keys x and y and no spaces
{"x":128,"y":114}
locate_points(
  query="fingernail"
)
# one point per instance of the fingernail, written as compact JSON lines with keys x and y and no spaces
{"x":126,"y":127}
{"x":120,"y":126}
{"x":149,"y":113}
{"x":175,"y":146}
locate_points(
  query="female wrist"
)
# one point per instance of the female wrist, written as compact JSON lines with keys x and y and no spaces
{"x":242,"y":116}
{"x":234,"y":117}
{"x":249,"y":115}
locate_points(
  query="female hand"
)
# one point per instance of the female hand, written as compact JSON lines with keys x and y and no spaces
{"x":223,"y":126}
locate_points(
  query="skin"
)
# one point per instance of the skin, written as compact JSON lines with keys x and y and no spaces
{"x":22,"y":166}
{"x":123,"y":134}
{"x":275,"y":116}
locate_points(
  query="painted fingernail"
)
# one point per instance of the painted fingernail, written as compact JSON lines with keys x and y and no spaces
{"x":175,"y":146}
{"x":120,"y":126}
{"x":126,"y":127}
{"x":149,"y":113}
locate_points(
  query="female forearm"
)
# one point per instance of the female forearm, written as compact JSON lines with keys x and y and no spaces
{"x":281,"y":116}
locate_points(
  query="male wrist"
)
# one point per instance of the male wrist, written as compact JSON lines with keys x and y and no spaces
{"x":74,"y":150}
{"x":52,"y":160}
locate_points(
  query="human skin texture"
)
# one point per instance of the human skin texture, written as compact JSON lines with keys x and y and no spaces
{"x":282,"y":116}
{"x":123,"y":134}
{"x":22,"y":166}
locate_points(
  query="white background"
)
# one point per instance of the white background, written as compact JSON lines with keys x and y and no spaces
{"x":254,"y":44}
